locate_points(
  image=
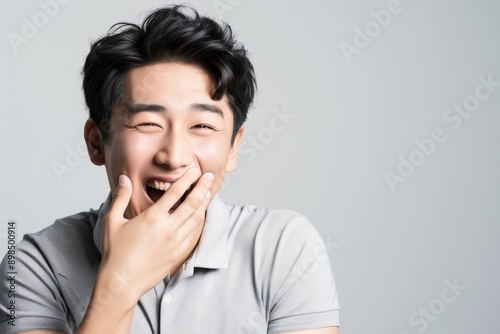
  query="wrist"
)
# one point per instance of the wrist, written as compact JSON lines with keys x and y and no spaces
{"x":111,"y":305}
{"x":114,"y":287}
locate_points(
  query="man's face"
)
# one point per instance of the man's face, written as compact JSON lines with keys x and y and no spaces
{"x":167,"y":124}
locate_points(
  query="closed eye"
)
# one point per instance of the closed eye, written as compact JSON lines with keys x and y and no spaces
{"x":147,"y":127}
{"x":203,"y":126}
{"x":147,"y":124}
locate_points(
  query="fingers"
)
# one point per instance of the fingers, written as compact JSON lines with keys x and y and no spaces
{"x":120,"y":199}
{"x":177,"y":190}
{"x":192,"y":223}
{"x":194,"y":200}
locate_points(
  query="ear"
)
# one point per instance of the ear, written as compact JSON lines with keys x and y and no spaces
{"x":233,"y":152}
{"x":95,"y":144}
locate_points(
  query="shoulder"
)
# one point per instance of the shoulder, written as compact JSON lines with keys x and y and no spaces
{"x":269,"y":225}
{"x":65,"y":232}
{"x":62,"y":245}
{"x":288,"y":261}
{"x":54,"y":272}
{"x":263,"y":216}
{"x":281,"y":241}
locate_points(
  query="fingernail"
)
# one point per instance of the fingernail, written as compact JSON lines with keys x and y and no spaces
{"x":122,"y":180}
{"x":209,"y":176}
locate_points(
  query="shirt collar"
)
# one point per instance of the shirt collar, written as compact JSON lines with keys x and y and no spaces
{"x":211,"y":251}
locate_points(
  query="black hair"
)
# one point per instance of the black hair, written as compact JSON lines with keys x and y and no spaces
{"x":168,"y":34}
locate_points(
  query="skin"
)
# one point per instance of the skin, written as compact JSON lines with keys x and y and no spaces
{"x":167,"y":143}
{"x":166,"y":127}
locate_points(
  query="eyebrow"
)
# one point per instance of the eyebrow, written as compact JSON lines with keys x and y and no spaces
{"x":137,"y":108}
{"x":203,"y":107}
{"x":207,"y":107}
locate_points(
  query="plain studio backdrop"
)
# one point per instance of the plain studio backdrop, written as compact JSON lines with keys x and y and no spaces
{"x":376,"y":119}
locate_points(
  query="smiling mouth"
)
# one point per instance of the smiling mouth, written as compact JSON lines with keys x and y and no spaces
{"x":155,"y":190}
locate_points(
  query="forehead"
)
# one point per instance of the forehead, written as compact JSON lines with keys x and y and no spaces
{"x":173,"y":85}
{"x":173,"y":80}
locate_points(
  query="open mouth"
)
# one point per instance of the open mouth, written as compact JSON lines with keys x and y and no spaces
{"x":155,"y":190}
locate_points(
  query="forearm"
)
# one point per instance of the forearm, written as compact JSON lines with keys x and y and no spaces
{"x":106,"y":322}
{"x":110,"y":309}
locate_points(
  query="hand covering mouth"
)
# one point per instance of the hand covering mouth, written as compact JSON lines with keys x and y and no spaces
{"x":156,"y":188}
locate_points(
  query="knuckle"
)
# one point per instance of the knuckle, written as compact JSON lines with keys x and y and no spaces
{"x":190,"y":241}
{"x":151,"y":216}
{"x":185,"y":211}
{"x":177,"y":190}
{"x":198,"y":219}
{"x":168,"y":234}
{"x":197,"y":198}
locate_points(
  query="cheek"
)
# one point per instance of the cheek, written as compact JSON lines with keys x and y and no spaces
{"x":212,"y":156}
{"x":127,"y":155}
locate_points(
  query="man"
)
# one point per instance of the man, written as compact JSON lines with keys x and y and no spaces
{"x":164,"y":254}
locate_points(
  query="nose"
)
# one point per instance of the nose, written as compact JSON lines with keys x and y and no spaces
{"x":175,"y":151}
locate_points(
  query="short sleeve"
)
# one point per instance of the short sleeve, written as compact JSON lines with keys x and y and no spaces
{"x":29,"y":291}
{"x":305,"y":297}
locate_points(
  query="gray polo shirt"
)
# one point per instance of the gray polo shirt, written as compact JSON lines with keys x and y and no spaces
{"x":254,"y":271}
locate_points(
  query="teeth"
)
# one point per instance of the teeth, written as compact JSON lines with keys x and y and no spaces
{"x":158,"y":185}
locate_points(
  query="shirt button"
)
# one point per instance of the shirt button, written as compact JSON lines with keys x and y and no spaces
{"x":168,"y":298}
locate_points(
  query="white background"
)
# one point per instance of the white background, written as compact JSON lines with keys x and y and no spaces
{"x":354,"y":119}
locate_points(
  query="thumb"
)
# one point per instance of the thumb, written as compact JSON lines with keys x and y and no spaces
{"x":121,"y":198}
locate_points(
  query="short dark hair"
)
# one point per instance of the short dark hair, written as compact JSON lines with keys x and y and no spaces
{"x":168,"y":34}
